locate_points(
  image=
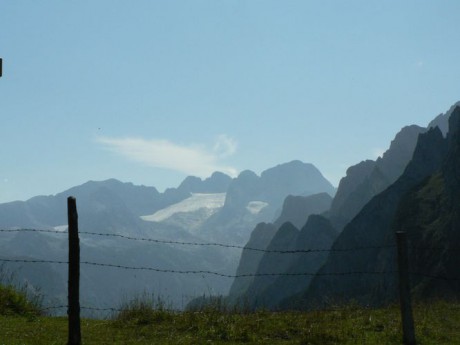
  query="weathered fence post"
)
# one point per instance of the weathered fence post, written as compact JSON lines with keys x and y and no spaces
{"x":404,"y":290}
{"x":73,"y":310}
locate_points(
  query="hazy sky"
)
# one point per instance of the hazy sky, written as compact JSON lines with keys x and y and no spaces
{"x":152,"y":91}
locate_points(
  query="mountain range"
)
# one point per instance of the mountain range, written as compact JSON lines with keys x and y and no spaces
{"x":373,"y":200}
{"x":424,"y":203}
{"x":216,"y":209}
{"x":291,"y":239}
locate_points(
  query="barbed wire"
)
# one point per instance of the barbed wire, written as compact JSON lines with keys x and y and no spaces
{"x":101,"y":309}
{"x":293,"y":251}
{"x":215,"y":244}
{"x":268,"y":274}
{"x":205,"y":272}
{"x":224,"y":245}
{"x":39,"y":261}
{"x":47,"y":308}
{"x":34,"y":230}
{"x":160,"y":270}
{"x":44,"y":309}
{"x":264,"y":274}
{"x":223,"y":274}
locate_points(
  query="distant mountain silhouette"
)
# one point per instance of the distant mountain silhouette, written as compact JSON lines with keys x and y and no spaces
{"x":260,"y":238}
{"x":42,"y":211}
{"x":366,"y":208}
{"x":252,"y":199}
{"x":442,"y":120}
{"x":374,"y":226}
{"x":114,"y":207}
{"x":362,"y":182}
{"x":368,"y":178}
{"x":430,"y":214}
{"x":296,"y":211}
{"x":217,"y":183}
{"x":272,"y":291}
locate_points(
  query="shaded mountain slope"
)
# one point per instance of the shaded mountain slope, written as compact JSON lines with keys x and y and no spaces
{"x":430,"y":214}
{"x":297,"y":210}
{"x":284,"y":240}
{"x":260,"y":238}
{"x":373,"y":229}
{"x":442,"y":120}
{"x":366,"y":179}
{"x":362,"y":182}
{"x":271,"y":291}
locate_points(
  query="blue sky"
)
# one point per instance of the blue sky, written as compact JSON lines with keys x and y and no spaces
{"x":152,"y":91}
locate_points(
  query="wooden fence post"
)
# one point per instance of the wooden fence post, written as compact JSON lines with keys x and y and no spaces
{"x":404,"y":290}
{"x":73,"y":310}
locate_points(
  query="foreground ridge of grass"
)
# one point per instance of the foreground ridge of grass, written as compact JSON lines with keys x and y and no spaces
{"x":436,"y":323}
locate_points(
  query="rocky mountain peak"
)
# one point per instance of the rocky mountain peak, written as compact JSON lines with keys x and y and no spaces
{"x":217,"y":183}
{"x":442,"y":120}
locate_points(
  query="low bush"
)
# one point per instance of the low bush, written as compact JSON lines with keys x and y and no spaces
{"x":14,"y":301}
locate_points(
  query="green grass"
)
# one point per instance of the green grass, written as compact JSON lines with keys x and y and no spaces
{"x":14,"y":301}
{"x":436,"y":323}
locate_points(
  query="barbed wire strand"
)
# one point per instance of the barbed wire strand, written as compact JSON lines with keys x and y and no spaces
{"x":160,"y":270}
{"x":224,"y":245}
{"x":215,"y":244}
{"x":294,"y":251}
{"x":268,"y":274}
{"x":34,"y":230}
{"x":35,"y":261}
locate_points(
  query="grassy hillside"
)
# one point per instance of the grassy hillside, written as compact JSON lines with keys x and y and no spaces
{"x":436,"y":323}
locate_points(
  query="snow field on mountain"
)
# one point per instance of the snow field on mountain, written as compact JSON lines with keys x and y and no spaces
{"x":193,"y":203}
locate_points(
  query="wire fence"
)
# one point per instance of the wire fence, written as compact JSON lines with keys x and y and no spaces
{"x":207,"y":272}
{"x":223,"y":245}
{"x":198,"y":271}
{"x":207,"y":244}
{"x":161,"y":241}
{"x":247,"y":275}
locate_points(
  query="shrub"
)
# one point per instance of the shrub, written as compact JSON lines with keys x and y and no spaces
{"x":143,"y":310}
{"x":14,"y":301}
